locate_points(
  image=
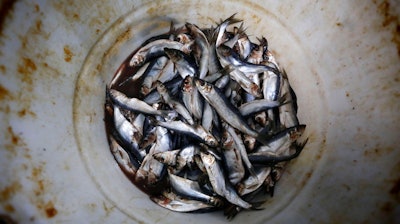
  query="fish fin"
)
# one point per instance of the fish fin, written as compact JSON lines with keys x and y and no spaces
{"x":263,"y":42}
{"x":107,"y":92}
{"x":241,"y":30}
{"x":284,"y":74}
{"x":298,"y":146}
{"x":284,"y":100}
{"x":230,"y":20}
{"x":231,"y":211}
{"x":172,"y":29}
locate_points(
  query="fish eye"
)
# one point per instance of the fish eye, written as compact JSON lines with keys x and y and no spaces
{"x":202,"y":82}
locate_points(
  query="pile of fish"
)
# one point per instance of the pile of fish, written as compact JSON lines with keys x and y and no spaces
{"x":203,"y":119}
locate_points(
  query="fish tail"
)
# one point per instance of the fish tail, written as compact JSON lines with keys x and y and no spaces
{"x":299,"y":147}
{"x":230,"y":20}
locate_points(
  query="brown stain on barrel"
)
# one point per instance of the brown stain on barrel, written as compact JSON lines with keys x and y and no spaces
{"x":24,"y":112}
{"x":50,"y":210}
{"x":390,"y":21}
{"x":4,"y":93}
{"x":26,"y":68}
{"x":15,"y":139}
{"x":41,"y":189}
{"x":114,"y":49}
{"x":68,"y":53}
{"x":9,"y":208}
{"x":9,"y":191}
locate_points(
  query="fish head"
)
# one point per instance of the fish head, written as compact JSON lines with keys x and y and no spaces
{"x":261,"y":118}
{"x":203,"y":85}
{"x":187,"y":84}
{"x":183,"y":38}
{"x":296,"y":132}
{"x":137,"y":59}
{"x":211,"y":141}
{"x":227,"y":140}
{"x":161,"y":87}
{"x":249,"y":142}
{"x":207,"y":158}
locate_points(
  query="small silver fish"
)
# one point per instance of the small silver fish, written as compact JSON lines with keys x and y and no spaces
{"x":151,"y":169}
{"x":176,"y":203}
{"x":137,"y":105}
{"x":222,"y":106}
{"x":217,"y":180}
{"x":182,"y":62}
{"x":191,"y":189}
{"x":201,"y":41}
{"x":122,"y":157}
{"x":192,"y":98}
{"x":174,"y":104}
{"x":232,"y":158}
{"x":281,"y":141}
{"x":128,"y":132}
{"x":196,"y":131}
{"x":257,"y":106}
{"x":156,"y":48}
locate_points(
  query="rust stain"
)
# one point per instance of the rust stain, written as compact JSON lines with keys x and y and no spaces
{"x":390,"y":20}
{"x":377,"y":152}
{"x":40,"y":190}
{"x":37,"y":171}
{"x":38,"y":26}
{"x":67,"y":54}
{"x":6,"y":9}
{"x":36,"y":176}
{"x":9,"y":208}
{"x":3,"y":68}
{"x":75,"y":16}
{"x":37,"y":8}
{"x":118,"y":42}
{"x":40,"y":187}
{"x":4,"y":93}
{"x":9,"y":191}
{"x":24,"y":112}
{"x":50,"y":210}
{"x":15,"y":139}
{"x":26,"y":69}
{"x":151,"y":10}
